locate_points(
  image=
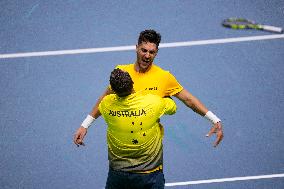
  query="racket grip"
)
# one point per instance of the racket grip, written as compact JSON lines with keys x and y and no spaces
{"x":272,"y":29}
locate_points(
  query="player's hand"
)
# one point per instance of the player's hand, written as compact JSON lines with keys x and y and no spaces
{"x":217,"y":128}
{"x":79,"y":136}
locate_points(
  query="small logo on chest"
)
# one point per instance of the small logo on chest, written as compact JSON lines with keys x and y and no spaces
{"x":152,"y":88}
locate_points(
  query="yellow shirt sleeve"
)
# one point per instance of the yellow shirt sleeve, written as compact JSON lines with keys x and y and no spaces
{"x":169,"y":106}
{"x":172,"y":85}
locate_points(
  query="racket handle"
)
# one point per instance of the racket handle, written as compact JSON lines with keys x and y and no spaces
{"x":272,"y":29}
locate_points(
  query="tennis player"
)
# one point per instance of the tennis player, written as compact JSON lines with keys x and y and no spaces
{"x":134,"y":136}
{"x":149,"y":78}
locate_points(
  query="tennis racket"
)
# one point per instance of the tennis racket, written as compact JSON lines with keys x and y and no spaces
{"x":242,"y":23}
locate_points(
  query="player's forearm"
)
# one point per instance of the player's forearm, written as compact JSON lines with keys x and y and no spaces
{"x":196,"y":105}
{"x":95,"y":113}
{"x":192,"y":102}
{"x":92,"y":116}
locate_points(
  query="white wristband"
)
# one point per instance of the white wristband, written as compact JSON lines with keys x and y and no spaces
{"x":88,"y":122}
{"x":212,"y":117}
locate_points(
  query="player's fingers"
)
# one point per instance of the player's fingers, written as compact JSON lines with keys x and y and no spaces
{"x":77,"y":139}
{"x":80,"y":140}
{"x":211,"y":132}
{"x":79,"y":136}
{"x":219,"y":138}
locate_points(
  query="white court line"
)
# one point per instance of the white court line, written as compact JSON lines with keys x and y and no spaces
{"x":225,"y":180}
{"x":132,"y":47}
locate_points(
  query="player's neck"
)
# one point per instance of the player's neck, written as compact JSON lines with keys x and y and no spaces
{"x":141,"y":70}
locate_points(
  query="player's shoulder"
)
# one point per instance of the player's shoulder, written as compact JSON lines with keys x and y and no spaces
{"x":124,"y":66}
{"x":108,"y":98}
{"x":159,"y":69}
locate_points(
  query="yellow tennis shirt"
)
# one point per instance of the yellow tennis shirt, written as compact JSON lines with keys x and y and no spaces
{"x":134,"y":136}
{"x":155,"y":81}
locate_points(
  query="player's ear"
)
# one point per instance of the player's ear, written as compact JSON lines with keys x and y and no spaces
{"x":136,"y":48}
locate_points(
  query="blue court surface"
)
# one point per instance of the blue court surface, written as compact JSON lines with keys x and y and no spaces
{"x":55,"y":60}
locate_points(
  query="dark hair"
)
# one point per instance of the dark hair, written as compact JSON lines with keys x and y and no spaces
{"x":149,"y":36}
{"x":121,"y":82}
